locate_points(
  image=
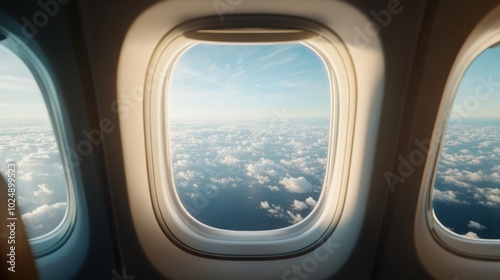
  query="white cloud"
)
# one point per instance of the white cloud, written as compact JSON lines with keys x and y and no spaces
{"x":34,"y":159}
{"x":454,"y":181}
{"x":39,"y":217}
{"x":264,"y":205}
{"x":465,"y":175}
{"x":28,"y":177}
{"x":471,"y":234}
{"x":446,"y":196}
{"x":495,"y":177}
{"x":488,"y":196}
{"x":262,"y":170}
{"x":485,"y":144}
{"x":493,"y":198}
{"x":475,"y":225}
{"x":182,"y":162}
{"x":298,"y":205}
{"x":223,"y":181}
{"x":276,"y":211}
{"x":296,"y":185}
{"x":294,"y":218}
{"x":311,"y":202}
{"x":42,"y":189}
{"x":229,"y":160}
{"x":273,"y":188}
{"x":188,"y":175}
{"x":475,"y":176}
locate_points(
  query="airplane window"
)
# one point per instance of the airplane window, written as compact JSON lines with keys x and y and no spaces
{"x":249,"y":133}
{"x":466,"y":196}
{"x":29,"y":150}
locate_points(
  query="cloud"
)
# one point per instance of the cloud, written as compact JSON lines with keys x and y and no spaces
{"x":471,"y":234}
{"x":28,"y":177}
{"x":454,"y":181}
{"x":264,"y":205}
{"x":45,"y":218}
{"x":188,"y":175}
{"x":493,"y":198}
{"x":182,"y":162}
{"x":35,"y":159}
{"x":465,"y":175}
{"x":485,"y":144}
{"x":488,"y":196}
{"x":42,"y":189}
{"x":475,"y":176}
{"x":446,"y":196}
{"x":495,"y":177}
{"x":274,"y":188}
{"x":223,"y":181}
{"x":294,"y":218}
{"x":296,"y":185}
{"x":311,"y":202}
{"x":264,"y":160}
{"x":229,"y":160}
{"x":276,"y":211}
{"x":298,"y":205}
{"x":263,"y":170}
{"x":475,"y":225}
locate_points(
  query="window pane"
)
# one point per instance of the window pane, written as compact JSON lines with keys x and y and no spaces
{"x":249,"y":133}
{"x":27,"y":139}
{"x":466,"y":196}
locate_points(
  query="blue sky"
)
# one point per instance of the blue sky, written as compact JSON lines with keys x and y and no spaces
{"x":248,"y":82}
{"x":20,"y":97}
{"x":483,"y":75}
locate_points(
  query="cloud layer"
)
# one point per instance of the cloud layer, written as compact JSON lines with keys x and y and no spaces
{"x":468,"y":178}
{"x":41,"y":184}
{"x":280,"y":166}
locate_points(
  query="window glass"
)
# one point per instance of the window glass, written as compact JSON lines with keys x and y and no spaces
{"x":249,"y":133}
{"x":27,"y":140}
{"x":466,"y":197}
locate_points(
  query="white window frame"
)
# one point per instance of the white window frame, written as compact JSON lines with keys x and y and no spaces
{"x":50,"y":242}
{"x":484,"y":36}
{"x":178,"y":225}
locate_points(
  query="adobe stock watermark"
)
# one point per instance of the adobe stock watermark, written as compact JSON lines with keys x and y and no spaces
{"x":310,"y":264}
{"x":382,"y":19}
{"x":281,"y":116}
{"x":483,"y":91}
{"x":121,"y":276}
{"x":93,"y":138}
{"x":48,"y":9}
{"x":225,"y":6}
{"x":38,"y":20}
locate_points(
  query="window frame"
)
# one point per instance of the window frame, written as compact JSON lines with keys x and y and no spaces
{"x":450,"y":241}
{"x":50,"y":242}
{"x":195,"y":237}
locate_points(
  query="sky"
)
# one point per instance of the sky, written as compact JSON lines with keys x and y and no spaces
{"x":27,"y":138}
{"x":482,"y":76}
{"x":248,"y":82}
{"x":20,"y":96}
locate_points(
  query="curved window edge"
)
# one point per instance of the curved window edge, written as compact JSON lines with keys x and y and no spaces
{"x":49,"y":242}
{"x":477,"y":42}
{"x":197,"y":238}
